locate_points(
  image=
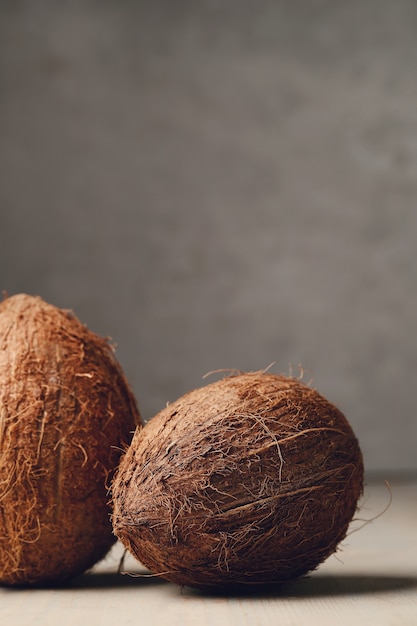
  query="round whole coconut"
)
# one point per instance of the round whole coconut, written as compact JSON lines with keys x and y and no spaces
{"x":251,"y":479}
{"x":66,"y":415}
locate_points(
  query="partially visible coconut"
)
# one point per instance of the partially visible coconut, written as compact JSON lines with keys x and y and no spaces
{"x":66,"y":416}
{"x":251,"y":479}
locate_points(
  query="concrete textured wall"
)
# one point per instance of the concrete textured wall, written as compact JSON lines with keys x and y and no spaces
{"x":223,"y":185}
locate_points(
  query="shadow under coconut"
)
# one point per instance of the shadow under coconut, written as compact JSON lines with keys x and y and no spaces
{"x":94,"y":580}
{"x":309,"y":587}
{"x":106,"y":580}
{"x":316,"y":586}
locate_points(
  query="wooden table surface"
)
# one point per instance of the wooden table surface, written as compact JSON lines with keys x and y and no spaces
{"x":372,"y":580}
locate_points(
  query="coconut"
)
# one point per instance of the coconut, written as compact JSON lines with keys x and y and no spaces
{"x":251,"y":479}
{"x":66,"y":416}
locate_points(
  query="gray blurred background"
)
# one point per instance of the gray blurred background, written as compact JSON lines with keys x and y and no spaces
{"x":223,"y":185}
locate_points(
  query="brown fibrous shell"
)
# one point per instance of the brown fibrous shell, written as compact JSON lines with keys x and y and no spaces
{"x":251,"y":479}
{"x":67,"y":414}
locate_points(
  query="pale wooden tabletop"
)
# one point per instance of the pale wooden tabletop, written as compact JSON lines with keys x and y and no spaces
{"x":372,"y":580}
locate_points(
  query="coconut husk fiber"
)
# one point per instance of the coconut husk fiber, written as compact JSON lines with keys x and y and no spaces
{"x":251,"y":479}
{"x":66,"y":416}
